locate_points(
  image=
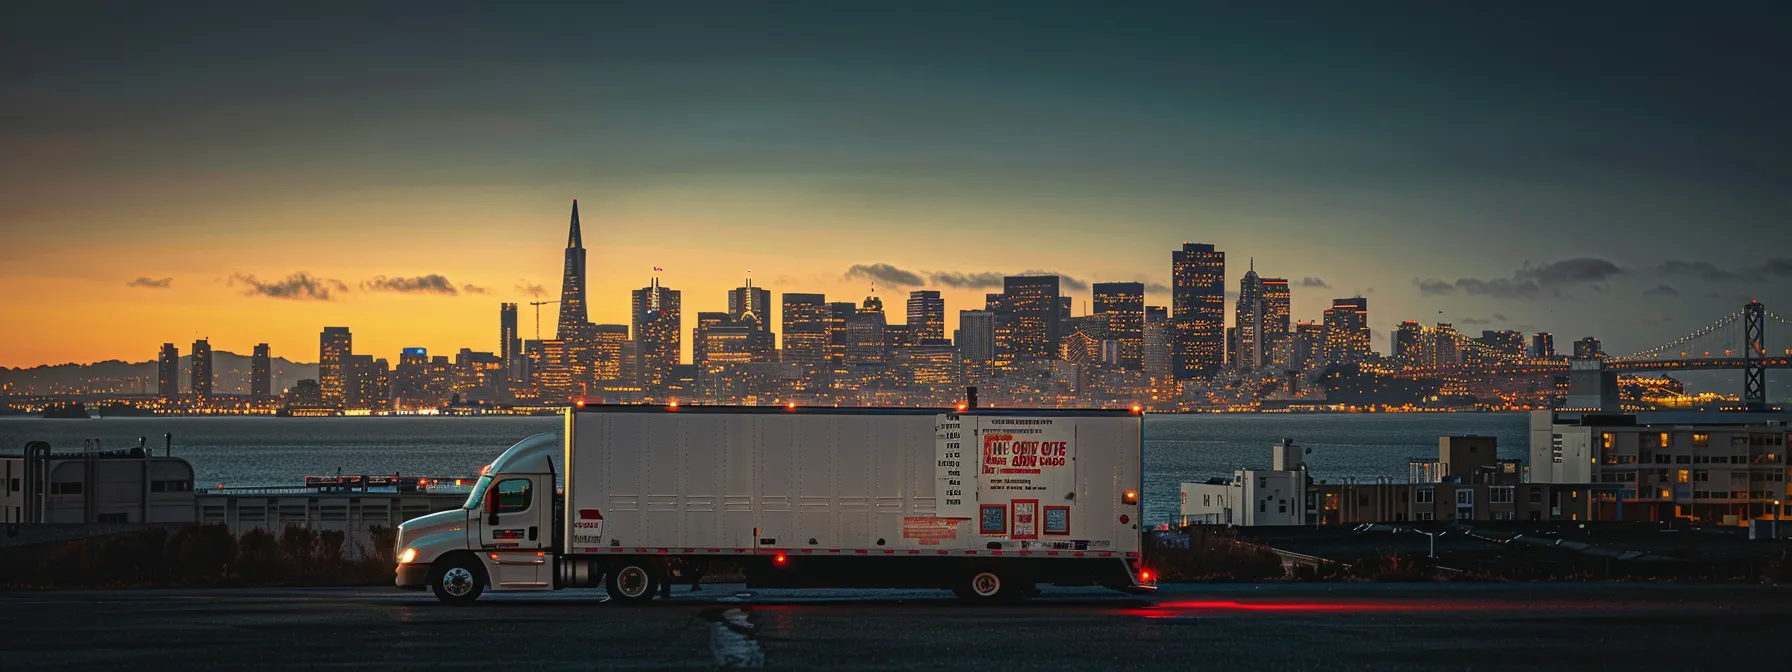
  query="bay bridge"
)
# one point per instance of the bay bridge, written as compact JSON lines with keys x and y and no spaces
{"x":1751,"y":339}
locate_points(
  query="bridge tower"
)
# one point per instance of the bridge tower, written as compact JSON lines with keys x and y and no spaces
{"x":1754,"y":349}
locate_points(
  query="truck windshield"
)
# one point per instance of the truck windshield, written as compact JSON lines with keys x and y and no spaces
{"x":476,"y":499}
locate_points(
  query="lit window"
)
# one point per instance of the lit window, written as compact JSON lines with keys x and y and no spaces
{"x":1682,"y":476}
{"x":1701,"y":440}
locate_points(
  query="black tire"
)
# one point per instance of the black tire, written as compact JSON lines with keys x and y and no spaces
{"x":632,"y":582}
{"x":457,"y":580}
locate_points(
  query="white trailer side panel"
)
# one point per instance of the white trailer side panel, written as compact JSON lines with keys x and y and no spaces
{"x":707,"y":480}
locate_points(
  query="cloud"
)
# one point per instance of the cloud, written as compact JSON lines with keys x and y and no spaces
{"x":422,"y":284}
{"x":1157,"y":288}
{"x":1569,"y":271}
{"x":1661,"y":290}
{"x":966,"y":280}
{"x":1530,"y":281}
{"x":1473,"y":322}
{"x":1311,"y":281}
{"x":884,"y":273}
{"x":532,"y":289}
{"x":151,"y":283}
{"x":1777,"y":267}
{"x":300,"y":286}
{"x":474,"y":289}
{"x":1434,"y":287}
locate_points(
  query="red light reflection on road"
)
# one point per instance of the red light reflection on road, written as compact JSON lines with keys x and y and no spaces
{"x":1176,"y":608}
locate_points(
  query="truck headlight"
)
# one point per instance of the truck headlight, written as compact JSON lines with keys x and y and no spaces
{"x":407,"y":556}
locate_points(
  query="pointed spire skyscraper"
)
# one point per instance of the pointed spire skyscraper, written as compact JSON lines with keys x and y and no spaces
{"x":572,"y":284}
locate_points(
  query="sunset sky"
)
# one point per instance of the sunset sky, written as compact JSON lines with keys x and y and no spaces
{"x":1599,"y":169}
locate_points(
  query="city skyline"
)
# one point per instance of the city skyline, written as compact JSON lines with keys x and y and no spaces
{"x":174,"y":180}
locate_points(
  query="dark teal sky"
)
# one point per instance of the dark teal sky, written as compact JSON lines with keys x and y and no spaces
{"x":1426,"y":154}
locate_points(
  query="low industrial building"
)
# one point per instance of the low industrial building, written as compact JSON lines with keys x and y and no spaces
{"x":1714,"y":468}
{"x":114,"y":486}
{"x":1466,"y":482}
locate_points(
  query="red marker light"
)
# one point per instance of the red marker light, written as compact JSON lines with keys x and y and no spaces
{"x":778,"y":559}
{"x":673,"y":405}
{"x":790,"y":406}
{"x":1136,"y":408}
{"x":1124,"y":520}
{"x":1145,"y":575}
{"x":580,"y":403}
{"x":961,"y":406}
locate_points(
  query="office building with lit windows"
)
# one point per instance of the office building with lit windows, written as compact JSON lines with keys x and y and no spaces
{"x":261,"y":374}
{"x":410,"y":380}
{"x":657,"y":329}
{"x":168,"y":372}
{"x":1245,"y":339}
{"x":1122,"y":306}
{"x":333,"y":348}
{"x":1276,"y":314}
{"x":606,"y":343}
{"x":1588,"y":348}
{"x":1035,"y":315}
{"x":202,"y":370}
{"x":976,"y":336}
{"x":1543,"y":344}
{"x":1405,"y":346}
{"x":865,"y":334}
{"x":1309,"y":346}
{"x":926,"y":314}
{"x":1347,"y":331}
{"x":1198,"y":311}
{"x":1702,"y":467}
{"x":805,"y":323}
{"x":510,"y":343}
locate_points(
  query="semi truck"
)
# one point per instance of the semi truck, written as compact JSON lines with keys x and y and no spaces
{"x":986,"y":503}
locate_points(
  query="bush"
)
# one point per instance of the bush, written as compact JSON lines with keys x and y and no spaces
{"x":258,"y":556}
{"x":201,"y":553}
{"x":134,"y":558}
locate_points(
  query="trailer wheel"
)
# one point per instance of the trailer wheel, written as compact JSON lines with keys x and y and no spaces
{"x":631,"y":582}
{"x":989,"y":584}
{"x":458,"y":581}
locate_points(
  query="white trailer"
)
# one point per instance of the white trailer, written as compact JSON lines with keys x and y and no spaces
{"x":985,"y":503}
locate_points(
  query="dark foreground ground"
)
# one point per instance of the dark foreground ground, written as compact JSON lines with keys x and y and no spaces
{"x":1319,"y":627}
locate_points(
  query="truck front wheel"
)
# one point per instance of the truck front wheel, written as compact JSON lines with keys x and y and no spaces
{"x":631,"y":582}
{"x":458,"y":581}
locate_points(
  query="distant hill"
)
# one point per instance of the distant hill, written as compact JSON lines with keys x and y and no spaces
{"x":230,"y":375}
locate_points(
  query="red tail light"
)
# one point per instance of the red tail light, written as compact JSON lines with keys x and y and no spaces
{"x":778,"y":559}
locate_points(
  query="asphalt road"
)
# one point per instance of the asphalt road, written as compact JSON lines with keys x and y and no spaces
{"x":1273,"y":627}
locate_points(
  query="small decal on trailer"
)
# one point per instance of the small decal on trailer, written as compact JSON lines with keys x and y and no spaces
{"x":930,"y":531}
{"x":992,"y":519}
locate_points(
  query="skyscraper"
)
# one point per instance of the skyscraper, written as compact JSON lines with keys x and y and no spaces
{"x":1543,"y":344}
{"x":261,"y":374}
{"x":168,"y":372}
{"x":1588,"y":347}
{"x":410,"y":385}
{"x":1347,"y":330}
{"x":572,"y":282}
{"x":840,"y":338}
{"x":607,"y":340}
{"x":657,"y":326}
{"x":1277,"y":309}
{"x":510,"y":344}
{"x":1309,"y":346}
{"x":805,"y":330}
{"x":1198,"y":311}
{"x":976,"y":336}
{"x":1122,"y":306}
{"x":1405,"y":346}
{"x":202,"y":369}
{"x":333,"y":348}
{"x":926,"y":314}
{"x":1035,"y":313}
{"x":1246,"y":342}
{"x":865,"y":333}
{"x":706,"y":321}
{"x":751,"y":304}
{"x":1156,"y":353}
{"x":750,"y":307}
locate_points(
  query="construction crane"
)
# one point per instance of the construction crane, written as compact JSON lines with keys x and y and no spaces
{"x":538,"y":305}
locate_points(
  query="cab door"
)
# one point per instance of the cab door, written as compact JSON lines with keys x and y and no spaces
{"x":516,"y":532}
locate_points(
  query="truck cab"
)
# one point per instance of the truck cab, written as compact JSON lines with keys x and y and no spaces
{"x":503,"y":537}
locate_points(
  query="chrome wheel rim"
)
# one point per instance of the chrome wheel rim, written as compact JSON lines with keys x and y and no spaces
{"x":986,"y":584}
{"x":632,"y":581}
{"x":457,"y":581}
